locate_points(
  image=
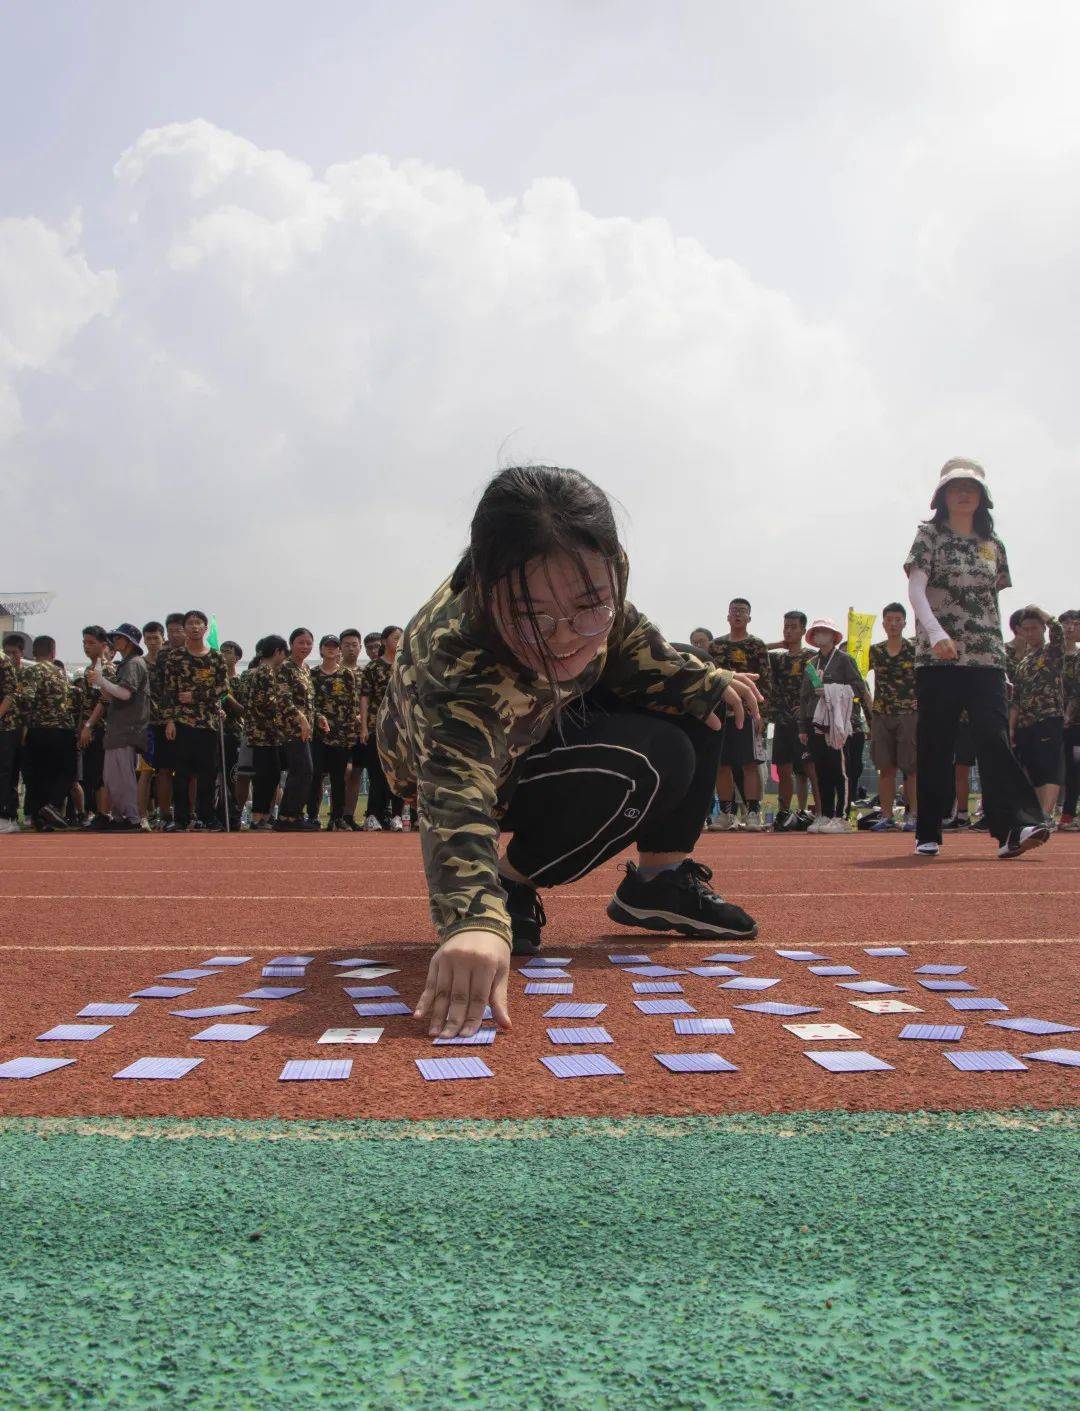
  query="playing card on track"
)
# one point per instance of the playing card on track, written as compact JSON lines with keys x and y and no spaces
{"x":947,"y":1032}
{"x":434,"y":1069}
{"x":568,"y":1009}
{"x":482,"y":1036}
{"x":747,"y":982}
{"x":596,"y":1034}
{"x":550,"y":960}
{"x":885,"y":1006}
{"x":368,"y":1009}
{"x":214,"y":1011}
{"x":356,"y":960}
{"x":945,"y":986}
{"x":159,"y":1068}
{"x":1027,"y":1025}
{"x":556,"y":987}
{"x":770,"y":1006}
{"x":974,"y":1002}
{"x":106,"y":1011}
{"x":629,"y":959}
{"x":985,"y":1061}
{"x":551,"y":972}
{"x":372,"y":992}
{"x":351,"y":1036}
{"x":231,"y":1033}
{"x":291,"y":960}
{"x":658,"y":987}
{"x":720,"y":959}
{"x":653,"y":972}
{"x":188,"y":974}
{"x":32,"y":1067}
{"x":833,"y":970}
{"x":273,"y":992}
{"x":847,"y":1060}
{"x":821,"y":1032}
{"x":373,"y":972}
{"x":708,"y":971}
{"x":580,"y":1065}
{"x":703,"y":1026}
{"x":872,"y":987}
{"x":884,"y":950}
{"x":695,"y":1063}
{"x":289,"y":972}
{"x":162,"y":992}
{"x":940,"y":969}
{"x":304,"y":1070}
{"x":799,"y":955}
{"x":228,"y":960}
{"x":1068,"y":1057}
{"x":72,"y":1032}
{"x":664,"y":1006}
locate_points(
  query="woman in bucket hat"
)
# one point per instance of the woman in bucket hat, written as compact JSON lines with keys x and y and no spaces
{"x":956,"y":568}
{"x":831,"y":667}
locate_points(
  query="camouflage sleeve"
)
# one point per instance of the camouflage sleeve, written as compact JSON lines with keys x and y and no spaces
{"x":763,"y":666}
{"x":1056,"y":653}
{"x":365,"y":682}
{"x":644,"y":669}
{"x":921,"y":553}
{"x":169,"y":689}
{"x":1004,"y":577}
{"x":461,"y":754}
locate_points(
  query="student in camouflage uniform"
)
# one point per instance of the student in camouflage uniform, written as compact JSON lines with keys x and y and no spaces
{"x":1070,"y":622}
{"x":742,"y":747}
{"x":50,"y":739}
{"x":195,"y":682}
{"x":296,"y":748}
{"x":358,"y":752}
{"x":15,"y":646}
{"x":10,"y":733}
{"x":384,"y":807}
{"x":337,"y":709}
{"x":956,"y":567}
{"x":1037,"y":715}
{"x":530,"y":696}
{"x":892,"y":724}
{"x":229,"y":803}
{"x":790,"y":756}
{"x":1014,"y":650}
{"x":268,"y":713}
{"x":90,"y":724}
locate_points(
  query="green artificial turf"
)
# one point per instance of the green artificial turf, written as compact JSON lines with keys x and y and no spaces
{"x":824,"y":1260}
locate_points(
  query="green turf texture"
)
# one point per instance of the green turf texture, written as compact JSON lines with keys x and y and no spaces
{"x":836,"y":1260}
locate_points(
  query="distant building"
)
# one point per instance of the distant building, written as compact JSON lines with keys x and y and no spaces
{"x":15,"y":608}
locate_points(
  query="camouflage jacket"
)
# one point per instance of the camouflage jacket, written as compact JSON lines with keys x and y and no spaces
{"x":1071,"y":684}
{"x":461,"y":714}
{"x":269,"y":714}
{"x":374,"y":680}
{"x":87,"y":697}
{"x":297,"y":681}
{"x":964,"y":577}
{"x":206,"y":677}
{"x":1039,"y":684}
{"x":9,"y":686}
{"x":894,"y":678}
{"x":53,"y":700}
{"x":751,"y":654}
{"x":787,"y":674}
{"x":337,"y":699}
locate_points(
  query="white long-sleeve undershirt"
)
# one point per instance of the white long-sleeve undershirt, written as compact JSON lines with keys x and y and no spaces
{"x":924,"y":614}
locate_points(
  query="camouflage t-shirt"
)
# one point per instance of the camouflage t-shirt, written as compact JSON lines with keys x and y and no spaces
{"x":269,"y":714}
{"x":337,"y":700}
{"x":461,"y":715}
{"x":206,"y":677}
{"x":9,"y":686}
{"x":750,"y":654}
{"x":1014,"y":655}
{"x":155,"y":679}
{"x":87,"y":697}
{"x":786,"y":677}
{"x":297,"y":681}
{"x":53,"y":700}
{"x":894,"y":678}
{"x":373,"y":683}
{"x":1071,"y":687}
{"x":1039,"y":684}
{"x":965,"y":575}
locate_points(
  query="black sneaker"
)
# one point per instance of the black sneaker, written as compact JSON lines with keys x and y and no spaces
{"x":980,"y":824}
{"x":51,"y":817}
{"x":803,"y":820}
{"x":310,"y":825}
{"x":350,"y":824}
{"x":784,"y":821}
{"x":1022,"y":840}
{"x":527,"y":916}
{"x":263,"y":826}
{"x":288,"y":825}
{"x":679,"y":900}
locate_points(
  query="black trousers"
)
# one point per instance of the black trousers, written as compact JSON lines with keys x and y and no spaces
{"x":381,"y":803}
{"x":51,"y":762}
{"x":9,"y":740}
{"x":1072,"y":769}
{"x":296,"y":757}
{"x":196,"y":755}
{"x":942,"y":692}
{"x":606,"y":778}
{"x":831,"y":766}
{"x":227,"y":810}
{"x":328,"y":759}
{"x":266,"y":761}
{"x":854,"y":753}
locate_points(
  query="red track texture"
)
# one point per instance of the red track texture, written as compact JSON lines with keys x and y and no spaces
{"x":91,"y":919}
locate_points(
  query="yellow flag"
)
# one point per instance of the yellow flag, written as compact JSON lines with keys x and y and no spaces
{"x":860,"y":633}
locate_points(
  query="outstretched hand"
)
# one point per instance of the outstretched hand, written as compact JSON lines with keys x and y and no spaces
{"x":467,"y":972}
{"x":742,"y":698}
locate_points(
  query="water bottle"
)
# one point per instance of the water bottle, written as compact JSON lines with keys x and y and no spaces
{"x":406,"y":819}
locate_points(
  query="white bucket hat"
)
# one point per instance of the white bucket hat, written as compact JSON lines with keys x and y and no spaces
{"x":961,"y":469}
{"x":825,"y":624}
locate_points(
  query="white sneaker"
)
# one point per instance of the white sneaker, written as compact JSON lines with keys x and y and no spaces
{"x":395,"y":825}
{"x":753,"y":821}
{"x":8,"y":825}
{"x":724,"y":823}
{"x":819,"y":825}
{"x":927,"y":849}
{"x":839,"y":825}
{"x":372,"y":824}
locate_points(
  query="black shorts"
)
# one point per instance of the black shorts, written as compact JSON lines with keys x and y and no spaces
{"x":964,"y":749}
{"x":787,"y":748}
{"x":161,"y":749}
{"x":737,"y":746}
{"x":1041,"y":748}
{"x":358,"y":756}
{"x":93,"y":763}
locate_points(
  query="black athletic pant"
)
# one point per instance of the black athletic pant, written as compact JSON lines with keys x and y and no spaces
{"x":296,"y":757}
{"x":9,"y":740}
{"x":51,"y":762}
{"x":266,"y":761}
{"x":381,"y":804}
{"x":227,"y":810}
{"x":196,"y":755}
{"x":1072,"y":770}
{"x":606,"y":778}
{"x":942,"y":692}
{"x":831,"y":766}
{"x":854,"y":752}
{"x":328,"y":759}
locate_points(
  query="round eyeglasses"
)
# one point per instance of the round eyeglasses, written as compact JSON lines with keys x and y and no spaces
{"x":589,"y":622}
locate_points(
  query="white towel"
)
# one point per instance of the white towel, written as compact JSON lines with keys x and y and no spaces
{"x":833,"y":713}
